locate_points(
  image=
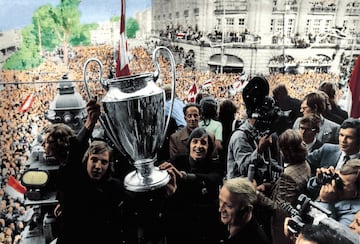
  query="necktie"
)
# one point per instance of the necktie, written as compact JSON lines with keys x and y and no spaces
{"x":346,"y":158}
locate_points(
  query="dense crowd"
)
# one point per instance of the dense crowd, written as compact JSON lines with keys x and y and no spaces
{"x":19,"y":129}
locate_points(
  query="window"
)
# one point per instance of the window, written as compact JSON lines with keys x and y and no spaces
{"x":242,"y":21}
{"x":229,"y":21}
{"x":196,"y":11}
{"x":271,"y":25}
{"x":186,"y":13}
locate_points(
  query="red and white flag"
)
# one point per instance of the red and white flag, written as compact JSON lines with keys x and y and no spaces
{"x":122,"y":62}
{"x":207,"y":83}
{"x":26,"y":105}
{"x":354,"y":85}
{"x":15,"y":189}
{"x":193,"y":91}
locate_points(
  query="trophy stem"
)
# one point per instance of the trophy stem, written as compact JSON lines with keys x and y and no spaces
{"x":146,"y":177}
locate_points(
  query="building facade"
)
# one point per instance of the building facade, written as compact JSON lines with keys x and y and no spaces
{"x":299,"y":35}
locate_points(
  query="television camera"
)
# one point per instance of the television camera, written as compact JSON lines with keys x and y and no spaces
{"x":260,"y":106}
{"x":309,"y":212}
{"x":41,"y":170}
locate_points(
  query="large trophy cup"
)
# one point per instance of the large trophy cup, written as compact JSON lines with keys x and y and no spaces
{"x":134,"y":119}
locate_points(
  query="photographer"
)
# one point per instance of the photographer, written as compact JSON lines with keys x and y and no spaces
{"x":337,"y":154}
{"x":339,"y":190}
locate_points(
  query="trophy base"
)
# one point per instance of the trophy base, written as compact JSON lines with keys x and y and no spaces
{"x":135,"y":182}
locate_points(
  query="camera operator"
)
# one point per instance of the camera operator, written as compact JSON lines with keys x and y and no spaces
{"x":254,"y":142}
{"x":340,"y":190}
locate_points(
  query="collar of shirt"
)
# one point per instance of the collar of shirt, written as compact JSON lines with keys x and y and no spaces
{"x":310,"y":145}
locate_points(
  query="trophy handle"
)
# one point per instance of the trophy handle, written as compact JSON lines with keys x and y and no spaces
{"x":100,"y":75}
{"x":173,"y":83}
{"x":103,"y":118}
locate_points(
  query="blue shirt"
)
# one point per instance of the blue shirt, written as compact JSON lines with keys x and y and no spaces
{"x":177,"y":112}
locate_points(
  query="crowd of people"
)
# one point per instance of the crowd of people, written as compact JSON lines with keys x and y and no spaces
{"x":205,"y":151}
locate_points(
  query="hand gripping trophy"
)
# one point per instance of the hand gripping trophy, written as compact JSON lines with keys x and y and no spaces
{"x":134,"y":120}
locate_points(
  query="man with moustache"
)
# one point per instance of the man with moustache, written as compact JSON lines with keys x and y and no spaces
{"x":178,"y":140}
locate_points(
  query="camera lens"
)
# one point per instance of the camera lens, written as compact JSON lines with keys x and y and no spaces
{"x":323,"y":178}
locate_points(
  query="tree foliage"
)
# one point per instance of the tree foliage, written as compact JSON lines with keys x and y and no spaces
{"x":53,"y":27}
{"x":131,"y":27}
{"x":28,"y":56}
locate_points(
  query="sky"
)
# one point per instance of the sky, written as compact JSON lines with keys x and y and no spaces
{"x":16,"y":14}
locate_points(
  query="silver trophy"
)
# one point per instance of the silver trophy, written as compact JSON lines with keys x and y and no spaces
{"x":134,"y":120}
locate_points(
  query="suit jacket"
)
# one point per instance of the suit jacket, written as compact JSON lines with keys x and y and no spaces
{"x":329,"y":130}
{"x":336,"y":114}
{"x":324,"y":157}
{"x":290,"y":185}
{"x":315,"y":146}
{"x":342,"y":211}
{"x":177,"y":143}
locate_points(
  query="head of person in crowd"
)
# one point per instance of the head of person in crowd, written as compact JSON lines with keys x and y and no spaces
{"x":349,"y":136}
{"x":167,"y":89}
{"x":237,"y":197}
{"x":98,"y":160}
{"x":280,"y":93}
{"x":355,"y":225}
{"x":227,"y":110}
{"x":330,"y":89}
{"x":309,"y":127}
{"x":292,"y":147}
{"x":56,"y":141}
{"x":314,"y":102}
{"x":327,"y":101}
{"x":192,"y":114}
{"x":227,"y":117}
{"x":200,"y":96}
{"x":201,"y":145}
{"x":320,"y":234}
{"x":208,"y":106}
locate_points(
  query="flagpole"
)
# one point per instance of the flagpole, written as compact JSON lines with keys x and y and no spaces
{"x":222,"y":39}
{"x":122,"y":64}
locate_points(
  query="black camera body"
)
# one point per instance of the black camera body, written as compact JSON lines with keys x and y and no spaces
{"x":324,"y":178}
{"x":260,"y":106}
{"x":309,"y":212}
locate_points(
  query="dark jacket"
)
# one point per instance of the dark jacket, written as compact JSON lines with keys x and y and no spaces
{"x":192,"y":212}
{"x":251,"y":233}
{"x":336,"y":114}
{"x":91,"y":209}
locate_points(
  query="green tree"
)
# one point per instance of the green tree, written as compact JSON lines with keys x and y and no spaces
{"x":60,"y":26}
{"x":28,"y":55}
{"x":131,"y":27}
